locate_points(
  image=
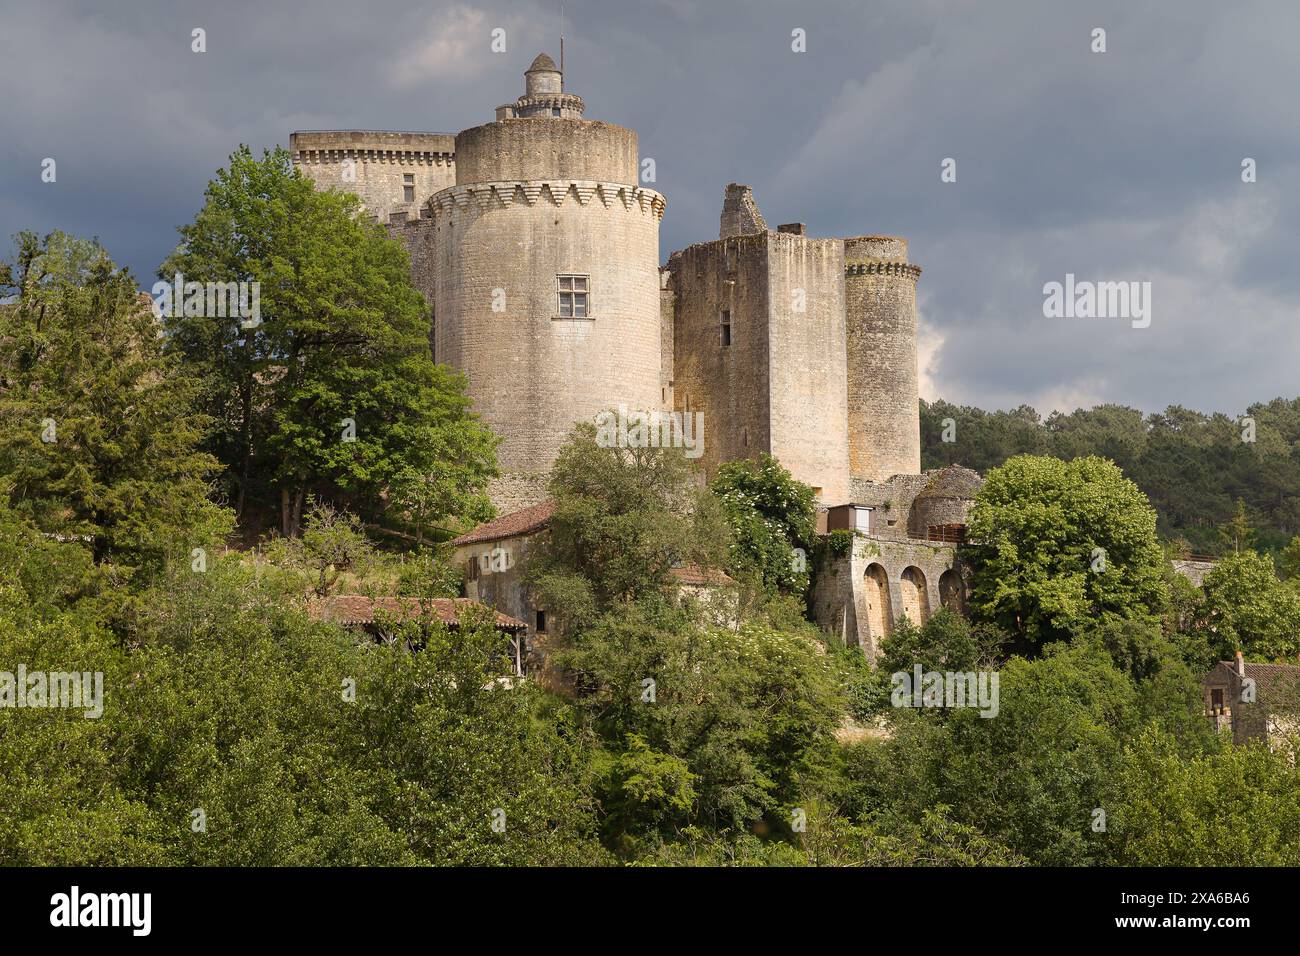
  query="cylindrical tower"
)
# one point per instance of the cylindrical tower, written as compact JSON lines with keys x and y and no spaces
{"x":547,"y":288}
{"x":884,"y":396}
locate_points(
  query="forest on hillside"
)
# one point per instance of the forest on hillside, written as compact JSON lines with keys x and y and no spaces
{"x":1194,"y":467}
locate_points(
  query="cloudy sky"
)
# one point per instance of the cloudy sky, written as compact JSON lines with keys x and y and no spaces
{"x":1117,"y":166}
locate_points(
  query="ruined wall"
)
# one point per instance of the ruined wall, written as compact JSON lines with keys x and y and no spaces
{"x":883,"y":389}
{"x":381,"y":160}
{"x":740,"y":215}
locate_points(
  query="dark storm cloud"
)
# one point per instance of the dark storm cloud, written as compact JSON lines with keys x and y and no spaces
{"x":1117,"y":166}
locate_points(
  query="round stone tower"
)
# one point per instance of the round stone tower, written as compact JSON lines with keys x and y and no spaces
{"x":547,"y":282}
{"x":884,"y":411}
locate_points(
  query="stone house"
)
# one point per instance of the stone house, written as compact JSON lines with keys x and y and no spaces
{"x":1257,"y":701}
{"x":492,"y":555}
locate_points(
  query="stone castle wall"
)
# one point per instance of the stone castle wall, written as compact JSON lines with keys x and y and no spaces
{"x":858,"y":596}
{"x":780,"y":386}
{"x":541,"y":148}
{"x":531,"y":373}
{"x":728,"y":384}
{"x":380,"y":163}
{"x":808,"y":380}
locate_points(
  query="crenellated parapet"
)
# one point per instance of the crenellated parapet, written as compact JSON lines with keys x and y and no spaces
{"x":553,"y":192}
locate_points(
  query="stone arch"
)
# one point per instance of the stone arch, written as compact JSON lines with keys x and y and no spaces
{"x":915,"y":597}
{"x":879,"y":616}
{"x":952,"y":590}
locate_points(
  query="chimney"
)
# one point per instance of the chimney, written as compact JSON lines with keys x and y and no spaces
{"x":1241,"y":665}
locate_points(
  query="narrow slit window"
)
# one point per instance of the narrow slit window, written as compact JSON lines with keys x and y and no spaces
{"x":726,"y":327}
{"x":575,"y":297}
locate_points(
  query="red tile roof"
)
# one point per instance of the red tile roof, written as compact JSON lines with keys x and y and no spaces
{"x":507,"y":526}
{"x":693,"y":575}
{"x":359,"y":609}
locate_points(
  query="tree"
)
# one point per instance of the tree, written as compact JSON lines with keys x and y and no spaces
{"x":1237,"y":531}
{"x":1289,"y":562}
{"x":624,"y":518}
{"x":99,"y":432}
{"x":1247,"y":608}
{"x":946,"y":641}
{"x":236,"y":731}
{"x":1029,"y":778}
{"x":333,"y":387}
{"x":1061,"y":544}
{"x":770,"y":515}
{"x":1239,"y":806}
{"x":332,"y":543}
{"x":749,"y":714}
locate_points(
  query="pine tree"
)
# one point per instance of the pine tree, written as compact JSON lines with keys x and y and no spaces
{"x":98,"y":430}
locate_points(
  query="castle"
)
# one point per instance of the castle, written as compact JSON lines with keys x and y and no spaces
{"x":537,"y":248}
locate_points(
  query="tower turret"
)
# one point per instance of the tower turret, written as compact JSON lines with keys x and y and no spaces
{"x":543,"y":95}
{"x":547,"y":263}
{"x":883,"y":395}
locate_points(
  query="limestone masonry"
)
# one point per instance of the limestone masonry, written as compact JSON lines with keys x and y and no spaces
{"x":537,"y":248}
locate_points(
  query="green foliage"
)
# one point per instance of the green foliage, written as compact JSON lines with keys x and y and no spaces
{"x":332,"y":542}
{"x":1236,"y":532}
{"x":1247,"y":608}
{"x":1239,"y":806}
{"x":624,"y":518}
{"x":232,"y":702}
{"x":832,"y":840}
{"x":1062,"y":544}
{"x":428,"y":572}
{"x":1193,"y":467}
{"x":945,"y":642}
{"x":343,"y":336}
{"x":750,"y":712}
{"x":642,"y":789}
{"x":1289,"y":559}
{"x":770,"y":514}
{"x":98,"y":428}
{"x":1029,"y":777}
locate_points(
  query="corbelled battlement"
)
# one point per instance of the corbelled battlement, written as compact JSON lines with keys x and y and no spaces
{"x":319,"y":146}
{"x":555,"y":192}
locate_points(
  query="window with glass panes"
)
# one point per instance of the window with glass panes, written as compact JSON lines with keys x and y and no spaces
{"x":575,"y":300}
